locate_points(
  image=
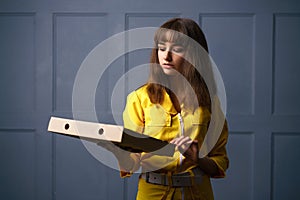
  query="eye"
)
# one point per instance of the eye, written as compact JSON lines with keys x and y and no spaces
{"x":178,"y":49}
{"x":161,"y":48}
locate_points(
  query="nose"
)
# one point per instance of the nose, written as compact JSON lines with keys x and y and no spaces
{"x":168,"y":56}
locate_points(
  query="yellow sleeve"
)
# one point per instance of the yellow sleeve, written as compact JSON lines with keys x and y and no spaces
{"x":219,"y":154}
{"x":133,"y":118}
{"x":133,"y":115}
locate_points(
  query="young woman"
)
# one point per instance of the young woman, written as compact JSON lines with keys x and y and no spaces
{"x":175,"y":105}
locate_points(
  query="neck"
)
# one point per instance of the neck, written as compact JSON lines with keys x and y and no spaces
{"x":177,"y":86}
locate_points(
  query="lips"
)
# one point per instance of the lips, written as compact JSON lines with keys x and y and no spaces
{"x":168,"y":65}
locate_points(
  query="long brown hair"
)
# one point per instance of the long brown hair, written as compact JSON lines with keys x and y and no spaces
{"x":196,"y":62}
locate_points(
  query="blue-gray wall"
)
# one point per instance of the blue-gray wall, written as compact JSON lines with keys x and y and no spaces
{"x":254,"y":43}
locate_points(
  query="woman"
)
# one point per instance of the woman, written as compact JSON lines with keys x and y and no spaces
{"x":175,"y":105}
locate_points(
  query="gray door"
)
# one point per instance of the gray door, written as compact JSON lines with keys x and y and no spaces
{"x":255,"y":45}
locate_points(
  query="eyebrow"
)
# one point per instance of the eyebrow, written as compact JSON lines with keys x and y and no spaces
{"x":174,"y":44}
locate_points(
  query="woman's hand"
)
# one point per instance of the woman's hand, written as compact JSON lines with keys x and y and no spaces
{"x":187,"y":147}
{"x":190,"y":150}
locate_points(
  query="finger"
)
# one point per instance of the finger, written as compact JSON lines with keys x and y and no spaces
{"x":184,"y":141}
{"x":176,"y":140}
{"x":188,"y":146}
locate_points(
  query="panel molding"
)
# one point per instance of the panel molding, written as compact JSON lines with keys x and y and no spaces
{"x":21,"y":165}
{"x":32,"y":16}
{"x":55,"y":16}
{"x":274,"y":135}
{"x":276,"y":16}
{"x":252,"y":17}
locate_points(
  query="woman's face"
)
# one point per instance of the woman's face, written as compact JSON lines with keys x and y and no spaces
{"x":171,"y":57}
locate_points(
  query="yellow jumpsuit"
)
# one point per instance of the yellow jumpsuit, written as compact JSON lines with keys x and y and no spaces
{"x":163,"y":122}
